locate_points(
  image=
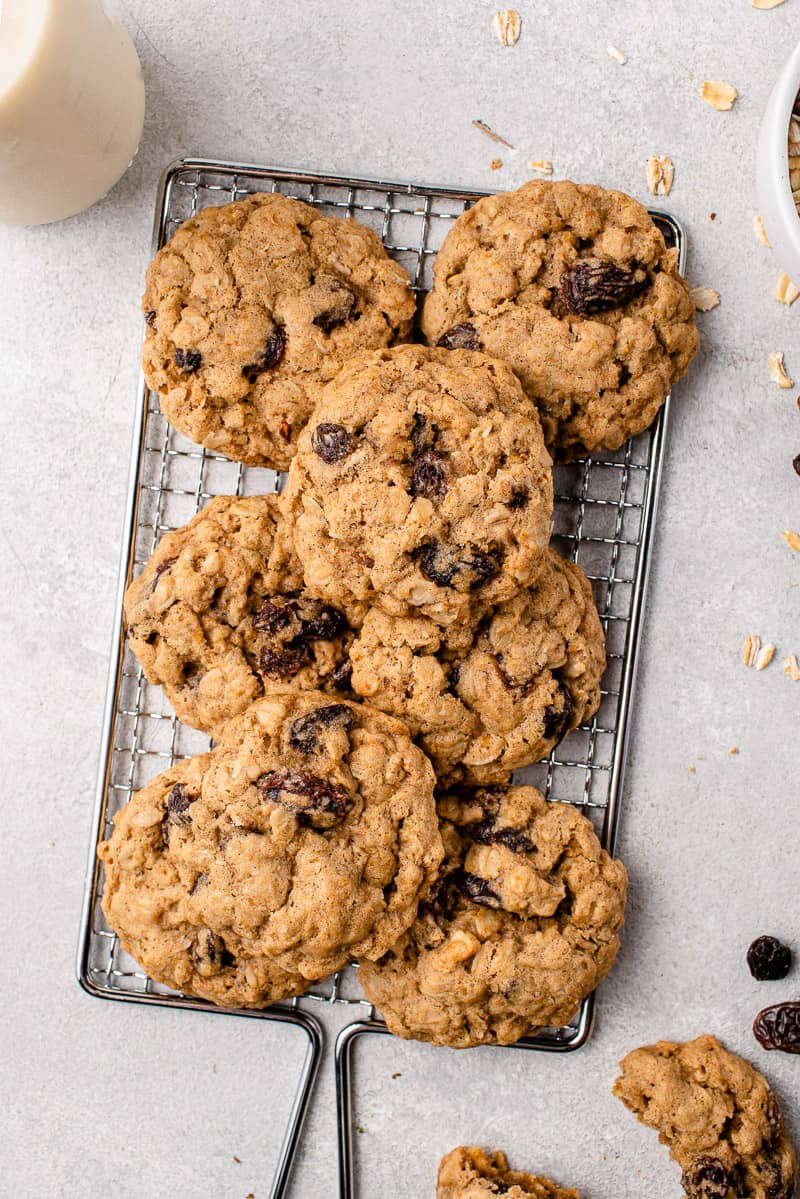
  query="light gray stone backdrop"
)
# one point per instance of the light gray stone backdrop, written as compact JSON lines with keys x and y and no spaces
{"x":104,"y":1099}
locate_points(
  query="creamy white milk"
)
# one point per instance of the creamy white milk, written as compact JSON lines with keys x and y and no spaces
{"x":71,"y":107}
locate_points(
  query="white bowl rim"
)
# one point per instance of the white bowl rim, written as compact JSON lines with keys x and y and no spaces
{"x":785,"y":98}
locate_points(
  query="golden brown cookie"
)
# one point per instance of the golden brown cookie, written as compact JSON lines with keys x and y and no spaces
{"x":250,"y":307}
{"x":307,"y":836}
{"x":421,"y":484}
{"x":484,"y":701}
{"x":716,"y":1114}
{"x":523,"y":924}
{"x":219,"y":615}
{"x":574,"y":288}
{"x":470,"y":1173}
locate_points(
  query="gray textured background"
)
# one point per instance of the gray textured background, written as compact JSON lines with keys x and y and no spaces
{"x":107,"y":1099}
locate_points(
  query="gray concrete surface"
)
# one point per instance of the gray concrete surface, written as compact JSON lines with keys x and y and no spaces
{"x":103,"y":1099}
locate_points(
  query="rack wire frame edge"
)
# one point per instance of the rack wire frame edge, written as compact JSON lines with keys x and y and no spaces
{"x":579,"y":1033}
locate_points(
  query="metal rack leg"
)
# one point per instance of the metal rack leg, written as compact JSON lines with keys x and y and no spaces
{"x":288,"y":1152}
{"x":344,"y":1099}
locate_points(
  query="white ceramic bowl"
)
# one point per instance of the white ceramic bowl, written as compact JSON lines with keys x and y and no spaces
{"x":775,"y":201}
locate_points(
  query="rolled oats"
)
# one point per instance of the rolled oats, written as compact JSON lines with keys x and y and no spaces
{"x":759,"y":230}
{"x":777,"y":370}
{"x":659,"y":173}
{"x":704,"y":298}
{"x":507,"y":26}
{"x":785,"y":291}
{"x":791,"y":667}
{"x":718,"y":94}
{"x":617,"y":54}
{"x":792,"y":539}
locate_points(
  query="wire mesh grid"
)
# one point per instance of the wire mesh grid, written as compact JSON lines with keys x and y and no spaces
{"x":603,"y":517}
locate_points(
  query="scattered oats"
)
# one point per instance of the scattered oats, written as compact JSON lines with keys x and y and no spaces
{"x":777,"y":370}
{"x":750,"y":649}
{"x":541,"y":164}
{"x":791,"y":667}
{"x":704,"y":298}
{"x":484,"y":128}
{"x":759,"y":230}
{"x":765,"y":657}
{"x":507,"y":26}
{"x":785,"y":291}
{"x":766,"y":3}
{"x":496,"y":164}
{"x":619,"y":57}
{"x":734,"y":749}
{"x":659,"y":173}
{"x":692,"y":770}
{"x":792,"y":539}
{"x":718,"y":94}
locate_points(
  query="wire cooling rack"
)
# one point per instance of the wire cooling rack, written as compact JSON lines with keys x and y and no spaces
{"x":604,"y":514}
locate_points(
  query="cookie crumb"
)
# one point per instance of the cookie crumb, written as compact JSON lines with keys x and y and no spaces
{"x":496,"y":164}
{"x":397,"y":1074}
{"x":238,"y":1160}
{"x":704,"y":298}
{"x":541,"y":164}
{"x":712,"y":216}
{"x":618,"y":55}
{"x":507,"y":25}
{"x":785,"y":291}
{"x":734,"y":749}
{"x":796,"y":460}
{"x":759,"y":230}
{"x":718,"y":94}
{"x":777,"y":370}
{"x":792,"y":539}
{"x":659,"y":173}
{"x":484,"y":128}
{"x":791,"y":667}
{"x":692,"y":770}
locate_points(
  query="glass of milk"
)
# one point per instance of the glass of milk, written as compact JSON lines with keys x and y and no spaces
{"x":71,"y":107}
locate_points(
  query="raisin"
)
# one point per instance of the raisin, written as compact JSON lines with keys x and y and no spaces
{"x":557,"y":718}
{"x":706,"y":1178}
{"x":519,"y":498}
{"x":429,"y":478}
{"x":150,"y":317}
{"x":424,"y":433}
{"x":595,"y":286}
{"x":271,"y":617}
{"x":209,"y":953}
{"x":487,"y":833}
{"x":342,"y":310}
{"x":769,"y":959}
{"x":269,"y":357}
{"x":285,"y":430}
{"x":332,"y":442}
{"x":778,"y":1027}
{"x":342,"y":674}
{"x":161,"y":569}
{"x":177,"y":810}
{"x":315,"y":802}
{"x":304,"y":732}
{"x":283,"y":663}
{"x":188,"y":361}
{"x":460,"y":337}
{"x":289,"y":625}
{"x":463,"y":569}
{"x":478,"y":890}
{"x":796,"y":464}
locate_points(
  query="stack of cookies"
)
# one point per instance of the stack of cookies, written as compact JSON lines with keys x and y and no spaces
{"x":375,"y":651}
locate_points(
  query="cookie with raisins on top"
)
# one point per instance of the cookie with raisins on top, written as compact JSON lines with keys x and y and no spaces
{"x":574,"y":287}
{"x":308,"y":835}
{"x":717,"y":1115}
{"x":421,"y":484}
{"x":470,"y":1173}
{"x":485,"y":701}
{"x":523,"y":923}
{"x":250,"y":307}
{"x":219,"y":616}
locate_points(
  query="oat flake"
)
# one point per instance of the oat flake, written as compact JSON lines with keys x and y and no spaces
{"x":718,"y":94}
